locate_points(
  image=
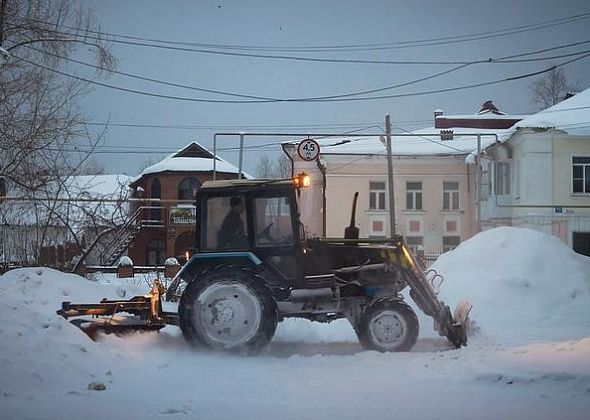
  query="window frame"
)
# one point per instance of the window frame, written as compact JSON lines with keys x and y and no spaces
{"x":412,"y":196}
{"x":257,"y":229}
{"x":585,"y":166}
{"x":377,"y":196}
{"x":502,"y":178}
{"x":193,"y":187}
{"x":449,"y":194}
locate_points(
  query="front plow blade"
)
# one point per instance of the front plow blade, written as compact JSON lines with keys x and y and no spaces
{"x":457,"y":330}
{"x":422,"y":291}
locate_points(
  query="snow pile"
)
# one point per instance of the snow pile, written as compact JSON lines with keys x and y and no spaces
{"x":41,"y":348}
{"x":125,"y":261}
{"x":524,"y":285}
{"x":47,"y":364}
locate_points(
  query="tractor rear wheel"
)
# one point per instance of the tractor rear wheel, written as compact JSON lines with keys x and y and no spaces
{"x":388,"y":325}
{"x":228,"y":308}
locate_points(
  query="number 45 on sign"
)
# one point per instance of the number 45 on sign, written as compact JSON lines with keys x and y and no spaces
{"x":308,"y":149}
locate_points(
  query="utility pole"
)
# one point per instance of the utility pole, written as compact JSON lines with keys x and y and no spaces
{"x":390,"y":176}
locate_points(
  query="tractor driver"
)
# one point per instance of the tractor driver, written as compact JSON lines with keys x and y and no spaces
{"x":232,"y":234}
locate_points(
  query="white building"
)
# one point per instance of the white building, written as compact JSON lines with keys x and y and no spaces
{"x":540,"y":176}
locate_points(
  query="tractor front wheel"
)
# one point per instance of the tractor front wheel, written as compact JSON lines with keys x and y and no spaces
{"x":228,"y":309}
{"x":388,"y":325}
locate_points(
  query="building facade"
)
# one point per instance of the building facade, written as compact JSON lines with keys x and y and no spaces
{"x":434,"y":180}
{"x":540,"y":177}
{"x":166,"y":207}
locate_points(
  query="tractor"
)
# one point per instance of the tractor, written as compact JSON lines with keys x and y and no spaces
{"x":254,"y":265}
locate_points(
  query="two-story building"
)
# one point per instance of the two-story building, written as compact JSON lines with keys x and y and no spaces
{"x":540,"y":176}
{"x":434,"y":184}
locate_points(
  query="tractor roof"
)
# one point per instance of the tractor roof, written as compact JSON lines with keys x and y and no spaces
{"x":246,"y":183}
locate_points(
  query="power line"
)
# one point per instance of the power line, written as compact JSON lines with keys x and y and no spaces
{"x":351,"y":47}
{"x":334,"y":98}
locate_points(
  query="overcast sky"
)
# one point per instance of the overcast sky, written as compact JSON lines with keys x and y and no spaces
{"x":286,"y":24}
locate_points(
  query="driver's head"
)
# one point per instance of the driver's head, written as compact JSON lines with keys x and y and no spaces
{"x":236,"y":204}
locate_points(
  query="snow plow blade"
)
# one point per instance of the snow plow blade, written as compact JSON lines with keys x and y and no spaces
{"x":451,"y":325}
{"x":146,"y":314}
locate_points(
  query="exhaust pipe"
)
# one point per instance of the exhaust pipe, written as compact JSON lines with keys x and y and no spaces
{"x":352,"y":232}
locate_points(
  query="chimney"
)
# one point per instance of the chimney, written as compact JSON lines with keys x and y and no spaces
{"x":446,"y":135}
{"x":437,"y":113}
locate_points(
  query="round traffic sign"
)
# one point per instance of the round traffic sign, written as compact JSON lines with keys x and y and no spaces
{"x":308,"y":149}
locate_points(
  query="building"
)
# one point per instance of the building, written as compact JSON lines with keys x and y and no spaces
{"x":164,"y":224}
{"x":53,"y":228}
{"x":434,"y":183}
{"x":539,"y":177}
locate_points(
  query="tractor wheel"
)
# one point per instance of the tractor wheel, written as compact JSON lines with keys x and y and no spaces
{"x":228,"y":308}
{"x":388,"y":325}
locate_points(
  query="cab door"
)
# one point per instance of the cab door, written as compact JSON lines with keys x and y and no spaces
{"x":275,"y":232}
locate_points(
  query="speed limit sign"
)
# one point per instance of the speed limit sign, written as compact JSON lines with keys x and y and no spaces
{"x":308,"y":149}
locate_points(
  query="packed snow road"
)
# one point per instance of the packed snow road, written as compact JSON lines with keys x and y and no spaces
{"x":529,"y":355}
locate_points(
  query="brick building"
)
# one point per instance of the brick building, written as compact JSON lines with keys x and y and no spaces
{"x":167,"y":216}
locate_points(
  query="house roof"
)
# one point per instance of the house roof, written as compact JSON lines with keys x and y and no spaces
{"x":421,"y":143}
{"x":81,"y":187}
{"x":571,"y":116}
{"x":192,"y":158}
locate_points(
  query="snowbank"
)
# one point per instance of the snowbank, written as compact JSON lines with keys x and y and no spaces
{"x":310,"y":370}
{"x":524,"y":285}
{"x":41,"y":348}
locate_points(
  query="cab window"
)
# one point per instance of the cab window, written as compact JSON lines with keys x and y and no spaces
{"x":224,"y":223}
{"x":272,"y":218}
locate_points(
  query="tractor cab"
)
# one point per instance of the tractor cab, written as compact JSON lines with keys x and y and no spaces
{"x":252,"y":223}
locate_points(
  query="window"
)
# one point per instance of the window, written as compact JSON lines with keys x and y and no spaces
{"x":450,"y":195}
{"x":413,"y":195}
{"x":155,"y":192}
{"x":450,"y":242}
{"x":187,"y":188}
{"x":414,"y":243}
{"x":273,"y":226}
{"x":502,"y":178}
{"x":224,"y":224}
{"x":377,"y":195}
{"x":156,"y":250}
{"x":278,"y":207}
{"x":581,"y":175}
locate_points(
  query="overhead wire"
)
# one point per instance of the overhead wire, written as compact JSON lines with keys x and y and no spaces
{"x":351,"y":47}
{"x":334,"y":98}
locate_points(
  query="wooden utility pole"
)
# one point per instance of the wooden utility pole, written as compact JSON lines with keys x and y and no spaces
{"x":390,"y":176}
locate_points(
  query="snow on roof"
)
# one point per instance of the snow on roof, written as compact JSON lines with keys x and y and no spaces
{"x":96,"y":187}
{"x":422,"y":143}
{"x":571,"y":116}
{"x":483,"y":116}
{"x":200,"y":160}
{"x":99,"y":186}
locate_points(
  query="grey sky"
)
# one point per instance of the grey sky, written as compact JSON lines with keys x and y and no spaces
{"x":313,"y":23}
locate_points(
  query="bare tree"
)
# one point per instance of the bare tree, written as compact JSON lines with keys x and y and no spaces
{"x":39,"y":113}
{"x":550,"y":89}
{"x":279,"y":169}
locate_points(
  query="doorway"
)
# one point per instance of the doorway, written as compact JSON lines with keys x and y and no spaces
{"x":581,"y":242}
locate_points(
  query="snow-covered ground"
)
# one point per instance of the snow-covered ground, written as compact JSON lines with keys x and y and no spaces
{"x":528,"y":356}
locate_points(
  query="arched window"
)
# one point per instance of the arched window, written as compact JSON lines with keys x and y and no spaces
{"x":156,"y":190}
{"x":187,"y":188}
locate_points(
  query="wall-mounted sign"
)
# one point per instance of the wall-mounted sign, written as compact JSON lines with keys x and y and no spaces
{"x":308,"y":149}
{"x":183,"y":216}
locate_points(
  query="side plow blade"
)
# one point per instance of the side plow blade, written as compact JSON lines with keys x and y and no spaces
{"x":422,"y":291}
